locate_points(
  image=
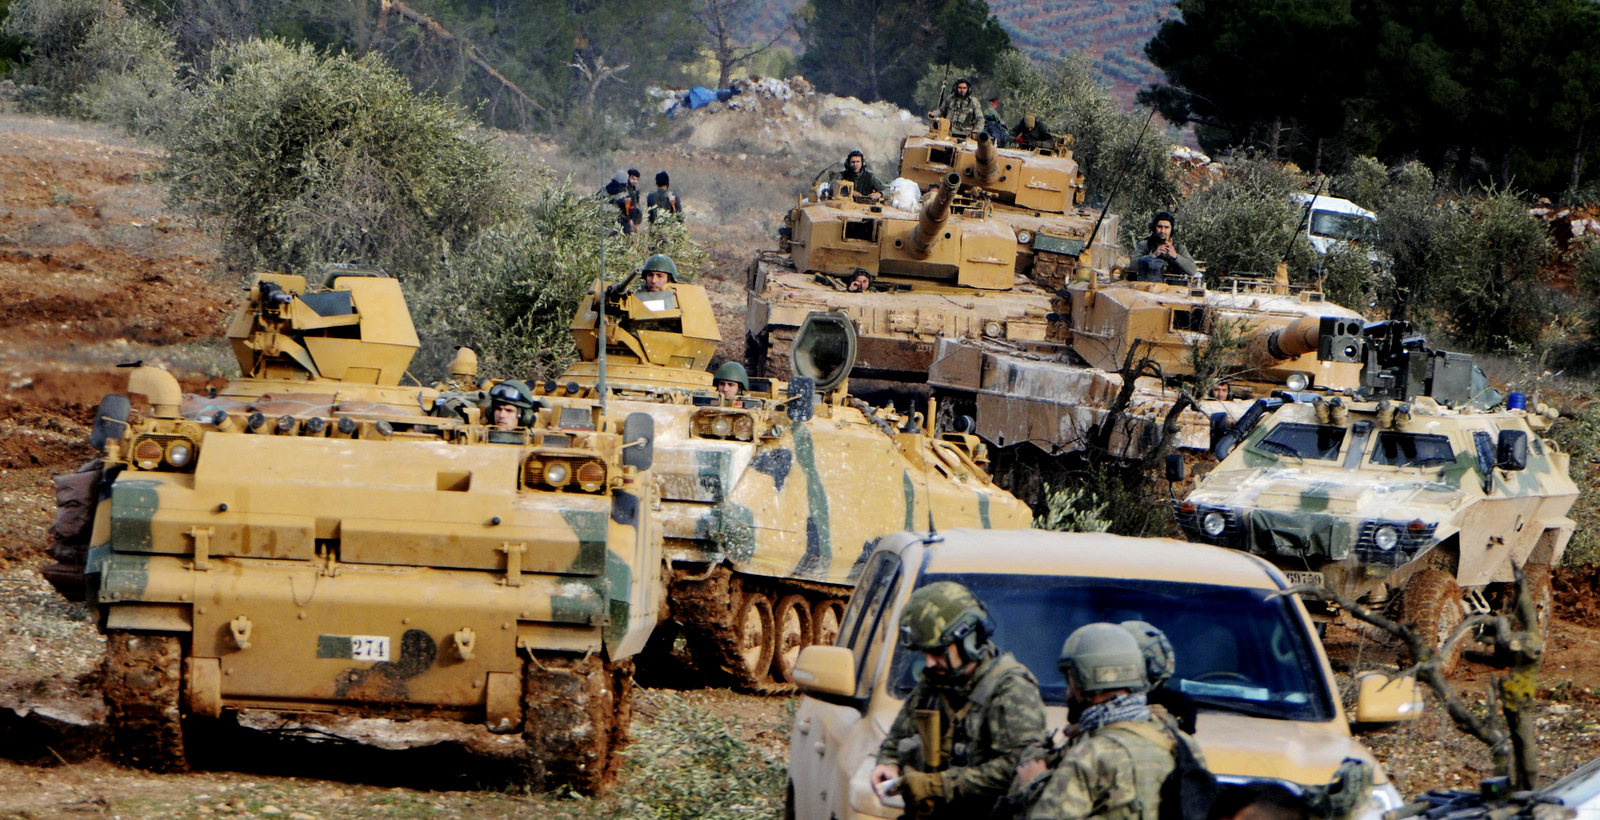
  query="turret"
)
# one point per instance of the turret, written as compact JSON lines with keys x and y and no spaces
{"x":354,"y":329}
{"x":930,"y":223}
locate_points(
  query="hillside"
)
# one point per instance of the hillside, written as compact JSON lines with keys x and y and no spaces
{"x":1111,"y":32}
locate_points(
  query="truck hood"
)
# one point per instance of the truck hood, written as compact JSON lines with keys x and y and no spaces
{"x":1301,"y":752}
{"x":1330,"y":491}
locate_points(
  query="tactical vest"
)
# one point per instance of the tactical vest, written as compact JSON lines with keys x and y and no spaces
{"x":1150,"y":749}
{"x":965,"y":730}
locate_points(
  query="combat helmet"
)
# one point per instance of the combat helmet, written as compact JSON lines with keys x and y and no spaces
{"x":663,"y":263}
{"x":1101,"y":656}
{"x":1159,"y":660}
{"x":942,"y":614}
{"x":515,"y":392}
{"x":732,"y":372}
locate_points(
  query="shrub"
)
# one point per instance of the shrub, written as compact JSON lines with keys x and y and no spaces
{"x":134,"y":72}
{"x":1245,"y":221}
{"x":689,"y":764}
{"x":510,"y":294}
{"x":53,"y":33}
{"x":305,"y":159}
{"x":1074,"y":510}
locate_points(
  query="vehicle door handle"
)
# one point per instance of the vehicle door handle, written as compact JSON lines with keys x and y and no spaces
{"x":804,"y":726}
{"x":822,"y":748}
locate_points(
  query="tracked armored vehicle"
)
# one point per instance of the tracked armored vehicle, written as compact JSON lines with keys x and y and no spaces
{"x":769,"y":502}
{"x":1040,"y":401}
{"x":309,"y":548}
{"x":1419,"y":488}
{"x":317,"y":546}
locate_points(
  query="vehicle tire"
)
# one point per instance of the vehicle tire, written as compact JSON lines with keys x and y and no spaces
{"x":792,"y":628}
{"x":826,"y":617}
{"x":143,"y":687}
{"x":1432,"y":606}
{"x":752,"y":621}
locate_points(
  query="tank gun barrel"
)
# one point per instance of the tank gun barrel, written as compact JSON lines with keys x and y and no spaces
{"x":931,"y":221}
{"x":986,"y":163}
{"x":1331,"y":338}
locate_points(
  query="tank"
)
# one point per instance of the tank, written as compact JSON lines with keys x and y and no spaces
{"x":1419,"y":489}
{"x":769,"y":502}
{"x":1036,"y":190}
{"x":318,"y":545}
{"x":313,"y":546}
{"x":1042,"y":401}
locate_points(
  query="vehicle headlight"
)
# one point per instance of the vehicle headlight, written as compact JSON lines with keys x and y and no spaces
{"x":722,"y":426}
{"x":1214,"y":523}
{"x":1023,"y":237}
{"x":744,"y":428}
{"x":1385,"y":537}
{"x":1297,"y":381}
{"x":1385,"y":797}
{"x":592,"y":476}
{"x":556,"y":474}
{"x":992,"y":329}
{"x":147,"y":454}
{"x":179,"y":453}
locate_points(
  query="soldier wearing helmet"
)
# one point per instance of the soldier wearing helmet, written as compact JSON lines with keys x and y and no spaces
{"x":955,"y":744}
{"x":658,"y":271}
{"x":510,"y":405}
{"x":730,"y":380}
{"x":1115,"y":771}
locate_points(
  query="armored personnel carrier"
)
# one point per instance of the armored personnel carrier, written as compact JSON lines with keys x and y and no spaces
{"x":1408,"y":489}
{"x":770,"y":501}
{"x":318,"y":545}
{"x":1053,"y":398}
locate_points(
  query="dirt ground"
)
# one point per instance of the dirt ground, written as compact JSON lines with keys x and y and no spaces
{"x":95,"y":271}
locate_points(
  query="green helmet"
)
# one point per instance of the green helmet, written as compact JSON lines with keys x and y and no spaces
{"x":663,"y":263}
{"x":516,"y":393}
{"x":732,"y":372}
{"x":945,"y":613}
{"x":1101,"y":656}
{"x":1159,"y":660}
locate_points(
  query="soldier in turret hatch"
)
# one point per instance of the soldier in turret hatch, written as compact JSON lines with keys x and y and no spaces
{"x":856,"y":173}
{"x":1159,"y":255}
{"x":961,"y":108}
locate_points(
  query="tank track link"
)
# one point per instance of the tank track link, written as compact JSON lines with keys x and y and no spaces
{"x":576,"y":712}
{"x":143,"y":684}
{"x":707,"y":607}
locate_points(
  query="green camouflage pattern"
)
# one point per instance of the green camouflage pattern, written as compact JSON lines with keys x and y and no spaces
{"x":990,"y":719}
{"x":1443,"y":494}
{"x":964,"y":113}
{"x":1114,"y":773}
{"x":1104,"y":656}
{"x":935,"y":612}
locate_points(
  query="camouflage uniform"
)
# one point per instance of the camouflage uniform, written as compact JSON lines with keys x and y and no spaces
{"x":964,"y":113}
{"x":1113,"y":773}
{"x":989,"y":719}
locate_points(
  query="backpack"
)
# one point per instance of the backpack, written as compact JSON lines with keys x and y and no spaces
{"x":996,"y":130}
{"x":1187,"y":791}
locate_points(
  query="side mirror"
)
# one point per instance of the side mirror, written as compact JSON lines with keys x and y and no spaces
{"x":1175,"y":467}
{"x":641,"y":428}
{"x":1511,"y":452}
{"x":1219,"y":428}
{"x":826,"y":670}
{"x":1383,"y":699}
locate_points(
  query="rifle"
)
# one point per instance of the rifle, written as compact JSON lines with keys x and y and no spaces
{"x":942,"y":78}
{"x":1493,"y":800}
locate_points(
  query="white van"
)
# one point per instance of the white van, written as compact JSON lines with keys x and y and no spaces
{"x":1336,"y":222}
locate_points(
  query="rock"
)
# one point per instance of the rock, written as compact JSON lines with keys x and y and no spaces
{"x":270,"y":810}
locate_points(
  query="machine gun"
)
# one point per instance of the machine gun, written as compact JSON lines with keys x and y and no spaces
{"x":1493,"y":800}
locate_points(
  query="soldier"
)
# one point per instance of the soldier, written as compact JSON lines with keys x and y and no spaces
{"x":1032,"y":133}
{"x":1115,"y":771}
{"x":961,"y":108}
{"x":510,"y":405}
{"x":635,"y":215}
{"x":658,"y":271}
{"x":730,"y":380}
{"x":663,"y":201}
{"x":1158,"y":252}
{"x":856,"y":173}
{"x":860,"y":281}
{"x":956,"y":741}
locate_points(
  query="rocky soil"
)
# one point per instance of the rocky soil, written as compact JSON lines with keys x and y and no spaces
{"x":94,"y":270}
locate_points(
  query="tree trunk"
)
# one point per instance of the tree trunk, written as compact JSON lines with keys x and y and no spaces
{"x":1577,"y":159}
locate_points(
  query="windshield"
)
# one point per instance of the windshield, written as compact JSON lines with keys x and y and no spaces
{"x":1292,"y":438}
{"x":1335,"y":225}
{"x":1238,"y":649}
{"x":1412,"y":449}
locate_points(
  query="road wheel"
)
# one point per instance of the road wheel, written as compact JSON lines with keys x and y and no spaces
{"x":826,"y":616}
{"x":143,"y":684}
{"x":1432,"y":606}
{"x":753,"y":622}
{"x":792,"y":618}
